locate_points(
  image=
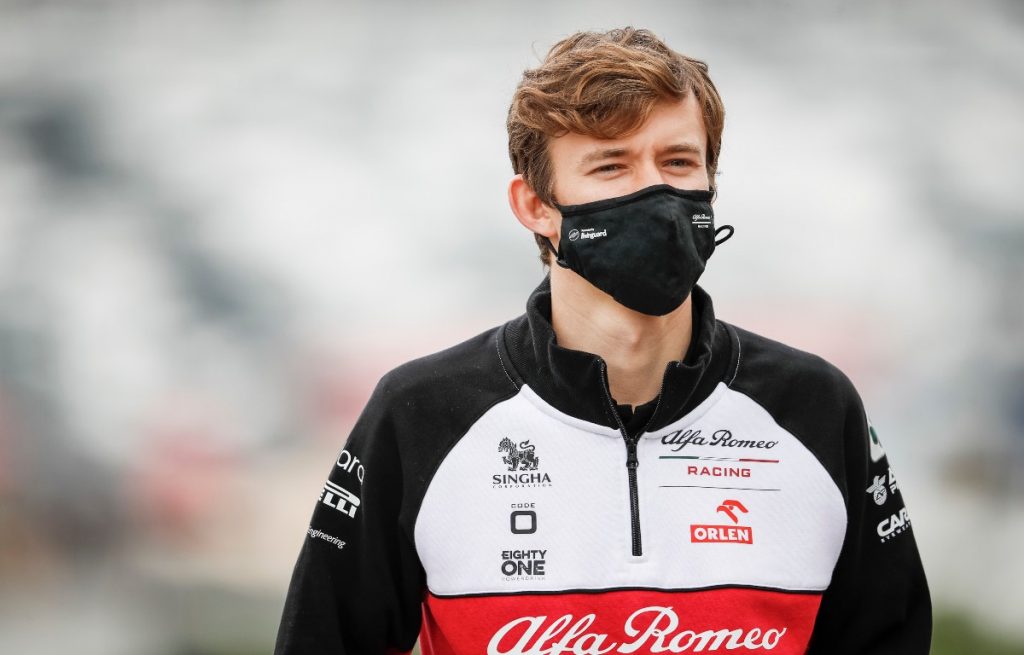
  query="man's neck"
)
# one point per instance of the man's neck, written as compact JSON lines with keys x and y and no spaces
{"x":636,"y":347}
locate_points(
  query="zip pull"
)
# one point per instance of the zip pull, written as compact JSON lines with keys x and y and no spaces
{"x":631,"y":458}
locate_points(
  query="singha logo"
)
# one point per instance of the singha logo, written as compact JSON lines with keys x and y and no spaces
{"x":519,"y":458}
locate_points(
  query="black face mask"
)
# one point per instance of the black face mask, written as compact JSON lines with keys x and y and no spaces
{"x":646,"y":249}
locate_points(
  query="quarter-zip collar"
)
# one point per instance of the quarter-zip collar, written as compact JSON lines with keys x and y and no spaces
{"x":573,"y":381}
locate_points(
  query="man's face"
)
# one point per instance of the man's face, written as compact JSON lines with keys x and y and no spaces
{"x":669,"y":148}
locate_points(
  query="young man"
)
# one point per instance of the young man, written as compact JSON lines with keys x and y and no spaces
{"x":616,"y":470}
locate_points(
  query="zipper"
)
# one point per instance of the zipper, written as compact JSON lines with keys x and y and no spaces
{"x":634,"y":497}
{"x":632,"y":461}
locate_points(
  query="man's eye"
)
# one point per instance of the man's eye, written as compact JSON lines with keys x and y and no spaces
{"x":607,"y":167}
{"x":680,"y":162}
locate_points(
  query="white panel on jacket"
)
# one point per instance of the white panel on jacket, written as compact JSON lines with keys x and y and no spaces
{"x":531,"y":499}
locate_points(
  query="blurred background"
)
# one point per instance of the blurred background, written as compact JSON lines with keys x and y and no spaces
{"x":222,"y":222}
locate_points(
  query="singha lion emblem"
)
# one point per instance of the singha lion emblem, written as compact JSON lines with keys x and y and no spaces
{"x":519,"y":458}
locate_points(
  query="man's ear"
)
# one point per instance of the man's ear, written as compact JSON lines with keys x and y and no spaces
{"x":535,"y":215}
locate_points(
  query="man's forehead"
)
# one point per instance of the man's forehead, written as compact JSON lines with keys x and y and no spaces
{"x":672,"y":127}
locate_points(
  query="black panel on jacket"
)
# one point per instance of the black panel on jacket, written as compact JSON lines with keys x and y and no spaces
{"x":878,"y":601}
{"x":365,"y":595}
{"x":573,"y":380}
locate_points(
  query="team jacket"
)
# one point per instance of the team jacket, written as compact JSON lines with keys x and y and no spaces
{"x":494,"y":498}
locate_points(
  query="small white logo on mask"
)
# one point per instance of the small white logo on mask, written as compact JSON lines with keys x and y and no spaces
{"x":701,"y":220}
{"x":591,"y":233}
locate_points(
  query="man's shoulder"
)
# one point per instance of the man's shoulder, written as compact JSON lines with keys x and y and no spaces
{"x":771,"y":369}
{"x":455,"y":379}
{"x":805,"y":394}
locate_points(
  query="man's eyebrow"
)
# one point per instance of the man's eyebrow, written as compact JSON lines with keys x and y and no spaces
{"x":609,"y":153}
{"x":598,"y":155}
{"x":691,"y":148}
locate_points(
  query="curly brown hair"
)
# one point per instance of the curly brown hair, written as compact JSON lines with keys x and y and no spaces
{"x":604,"y":85}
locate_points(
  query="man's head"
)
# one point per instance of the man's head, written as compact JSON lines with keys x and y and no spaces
{"x":605,"y":114}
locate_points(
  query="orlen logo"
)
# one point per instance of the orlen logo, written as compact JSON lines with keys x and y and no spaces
{"x":724,"y":534}
{"x":649,"y":630}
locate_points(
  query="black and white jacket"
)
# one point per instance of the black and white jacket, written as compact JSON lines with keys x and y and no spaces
{"x":494,"y":498}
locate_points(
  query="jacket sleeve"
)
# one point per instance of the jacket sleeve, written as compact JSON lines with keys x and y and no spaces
{"x":878,"y":602}
{"x":357,"y":584}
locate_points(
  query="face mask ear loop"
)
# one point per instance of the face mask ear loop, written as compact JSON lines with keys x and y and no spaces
{"x":558,"y":260}
{"x":719,"y":242}
{"x":551,"y":246}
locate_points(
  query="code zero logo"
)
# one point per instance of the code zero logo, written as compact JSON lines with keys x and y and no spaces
{"x":522,"y":459}
{"x":724,"y":534}
{"x":523,"y":519}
